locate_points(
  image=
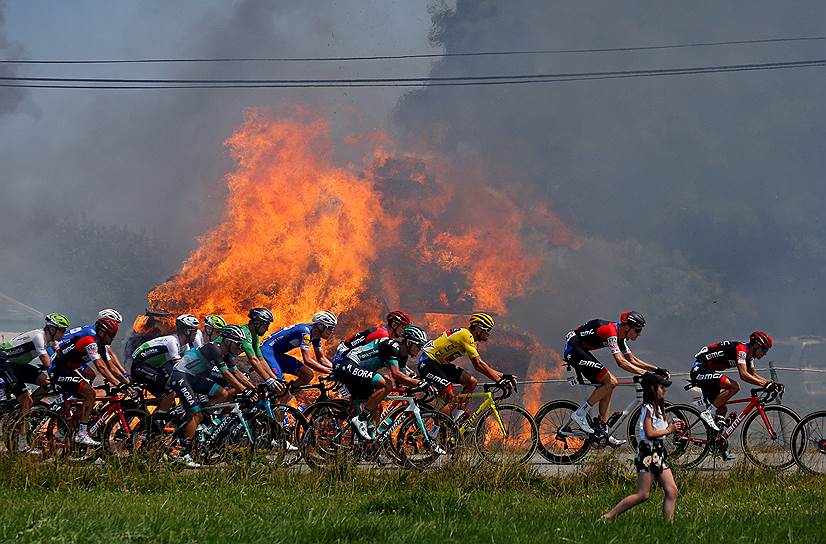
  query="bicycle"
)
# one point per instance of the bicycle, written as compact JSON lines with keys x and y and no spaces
{"x":809,"y":443}
{"x":502,"y":433}
{"x":407,"y":435}
{"x":562,"y":442}
{"x":765,"y":439}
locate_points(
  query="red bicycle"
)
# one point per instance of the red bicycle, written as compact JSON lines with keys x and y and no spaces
{"x":765,"y":438}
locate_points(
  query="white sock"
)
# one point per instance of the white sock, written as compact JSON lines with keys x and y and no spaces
{"x":584,"y":410}
{"x":458,"y":414}
{"x":81,"y":429}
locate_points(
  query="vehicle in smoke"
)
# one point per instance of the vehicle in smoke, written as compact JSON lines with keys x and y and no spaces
{"x":806,"y":383}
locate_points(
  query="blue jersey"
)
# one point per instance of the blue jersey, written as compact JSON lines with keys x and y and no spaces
{"x":294,"y":336}
{"x":85,"y":330}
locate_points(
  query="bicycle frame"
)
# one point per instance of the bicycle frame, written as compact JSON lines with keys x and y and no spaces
{"x":626,"y":411}
{"x":489,"y":402}
{"x":753,"y":402}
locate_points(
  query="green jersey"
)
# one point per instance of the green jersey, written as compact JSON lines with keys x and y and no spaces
{"x":251,"y":343}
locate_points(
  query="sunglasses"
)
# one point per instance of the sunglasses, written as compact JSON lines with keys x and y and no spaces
{"x":637,"y":330}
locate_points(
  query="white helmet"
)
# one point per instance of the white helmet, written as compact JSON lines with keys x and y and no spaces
{"x":325,"y":318}
{"x":111,"y":314}
{"x":186,"y":322}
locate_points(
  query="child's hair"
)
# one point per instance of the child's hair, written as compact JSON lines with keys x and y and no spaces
{"x":649,"y":396}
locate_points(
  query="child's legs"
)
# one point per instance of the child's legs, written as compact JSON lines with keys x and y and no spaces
{"x":666,"y":480}
{"x":644,"y":481}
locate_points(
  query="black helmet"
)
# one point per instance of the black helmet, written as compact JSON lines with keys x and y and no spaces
{"x":633,"y":318}
{"x":261,"y":314}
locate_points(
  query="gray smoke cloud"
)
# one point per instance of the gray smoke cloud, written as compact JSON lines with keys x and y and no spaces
{"x":697,"y":199}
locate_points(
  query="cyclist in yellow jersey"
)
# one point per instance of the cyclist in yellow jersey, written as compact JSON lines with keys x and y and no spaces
{"x":436,"y":363}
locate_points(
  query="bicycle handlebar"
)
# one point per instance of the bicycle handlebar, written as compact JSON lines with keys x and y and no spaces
{"x":505,"y":391}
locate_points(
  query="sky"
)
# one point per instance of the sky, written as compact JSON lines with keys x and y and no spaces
{"x":696,"y":199}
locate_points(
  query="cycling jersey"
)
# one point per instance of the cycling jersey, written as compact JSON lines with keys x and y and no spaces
{"x":251,"y":343}
{"x":200,"y":361}
{"x":362,"y":338}
{"x":158,"y":351}
{"x":358,"y":370}
{"x":294,"y":336}
{"x":25,"y":347}
{"x":79,"y":351}
{"x":724,"y":355}
{"x":598,"y":334}
{"x":199,"y":340}
{"x":451,"y":345}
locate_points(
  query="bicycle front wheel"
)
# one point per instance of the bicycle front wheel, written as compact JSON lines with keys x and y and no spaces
{"x":770,"y":446}
{"x":125,"y":432}
{"x":561,"y":441}
{"x":510,"y":438}
{"x":687,"y":448}
{"x":809,"y":443}
{"x":434,"y":445}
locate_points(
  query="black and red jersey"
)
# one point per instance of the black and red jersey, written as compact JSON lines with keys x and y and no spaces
{"x":364,"y":337}
{"x":598,"y":334}
{"x":79,"y":351}
{"x":724,"y":355}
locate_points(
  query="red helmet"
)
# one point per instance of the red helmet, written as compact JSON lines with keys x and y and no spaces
{"x":761,"y":339}
{"x":106,"y":325}
{"x":398,"y":316}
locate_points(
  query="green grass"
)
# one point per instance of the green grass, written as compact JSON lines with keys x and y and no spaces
{"x":135,"y":503}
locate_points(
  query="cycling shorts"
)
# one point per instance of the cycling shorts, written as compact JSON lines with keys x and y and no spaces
{"x":586,"y":366}
{"x":281,"y":363}
{"x":709,"y":381}
{"x":154,"y":380}
{"x":360,"y":382}
{"x":189,"y":386}
{"x":69,"y":381}
{"x":443,"y":376}
{"x":17,"y":376}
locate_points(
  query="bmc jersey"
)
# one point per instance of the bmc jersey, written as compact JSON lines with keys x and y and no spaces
{"x":724,"y":355}
{"x":200,"y":361}
{"x":451,"y":345}
{"x":25,"y":347}
{"x":374,"y":355}
{"x":361,"y":338}
{"x":294,"y":336}
{"x":79,"y":351}
{"x":598,"y":334}
{"x":158,"y":351}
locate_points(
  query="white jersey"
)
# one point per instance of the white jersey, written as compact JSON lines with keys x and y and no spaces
{"x":25,"y":346}
{"x":197,"y":342}
{"x":658,"y":422}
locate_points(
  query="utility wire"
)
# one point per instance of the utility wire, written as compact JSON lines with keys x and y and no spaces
{"x":415,"y":55}
{"x":121,"y":83}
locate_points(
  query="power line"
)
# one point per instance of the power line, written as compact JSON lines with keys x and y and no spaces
{"x":125,"y":83}
{"x":414,"y":55}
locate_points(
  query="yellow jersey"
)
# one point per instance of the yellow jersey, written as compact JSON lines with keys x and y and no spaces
{"x":451,"y":345}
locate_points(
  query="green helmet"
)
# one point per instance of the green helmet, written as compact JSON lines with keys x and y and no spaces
{"x":214,"y":321}
{"x":57,"y":320}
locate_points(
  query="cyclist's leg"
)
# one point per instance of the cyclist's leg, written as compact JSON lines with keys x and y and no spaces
{"x":432,"y":373}
{"x":716,"y":387}
{"x":467,"y":381}
{"x":15,"y":382}
{"x":728,"y":388}
{"x":589,"y":368}
{"x":189,"y":399}
{"x":42,"y":383}
{"x":603,"y":394}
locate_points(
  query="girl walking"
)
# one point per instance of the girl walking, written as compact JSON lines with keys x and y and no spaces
{"x":651,"y":460}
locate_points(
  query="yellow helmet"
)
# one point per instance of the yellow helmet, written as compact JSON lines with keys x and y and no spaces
{"x":482,"y":320}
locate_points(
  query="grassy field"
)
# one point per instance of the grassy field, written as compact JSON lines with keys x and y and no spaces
{"x":137,"y":503}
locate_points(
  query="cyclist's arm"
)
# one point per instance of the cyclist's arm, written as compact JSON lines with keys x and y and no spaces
{"x":310,"y":361}
{"x":114,"y":364}
{"x":45,"y":360}
{"x":242,"y":379}
{"x":262,"y":368}
{"x":101,"y":366}
{"x":639,"y":363}
{"x":322,"y":359}
{"x":485,"y":368}
{"x":402,"y":378}
{"x":751,"y":376}
{"x":234,"y":384}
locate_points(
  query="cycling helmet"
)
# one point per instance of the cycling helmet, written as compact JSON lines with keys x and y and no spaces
{"x":261,"y":314}
{"x":111,"y":314}
{"x":761,"y":339}
{"x":326,"y":319}
{"x":106,"y":325}
{"x":233,"y":333}
{"x":186,"y":323}
{"x":398,"y":316}
{"x":414,"y":335}
{"x":482,"y":320}
{"x":59,"y":321}
{"x":633,"y":318}
{"x":214,"y":321}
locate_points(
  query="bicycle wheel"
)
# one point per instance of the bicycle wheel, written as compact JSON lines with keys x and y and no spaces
{"x":37,"y":432}
{"x":561,"y":441}
{"x":269,"y":443}
{"x":687,"y":448}
{"x":435,"y":445}
{"x":122,"y":436}
{"x":291,"y":425}
{"x":513,"y":441}
{"x":329,"y":436}
{"x":760,"y":447}
{"x":809,"y":443}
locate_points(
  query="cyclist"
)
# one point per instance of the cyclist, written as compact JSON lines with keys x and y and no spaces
{"x":436,"y":362}
{"x":152,"y":362}
{"x":193,"y":375}
{"x":16,"y":356}
{"x":109,"y":355}
{"x":717,"y":388}
{"x":358,"y":371}
{"x":212,"y":329}
{"x":70,"y":357}
{"x":307,"y":337}
{"x":598,"y":334}
{"x":259,"y":321}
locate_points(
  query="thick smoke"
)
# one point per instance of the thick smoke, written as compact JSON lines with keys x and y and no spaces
{"x":697,"y":199}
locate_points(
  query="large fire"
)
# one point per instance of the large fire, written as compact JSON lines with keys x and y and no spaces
{"x":305,"y":231}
